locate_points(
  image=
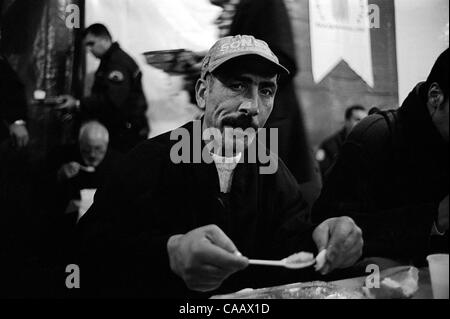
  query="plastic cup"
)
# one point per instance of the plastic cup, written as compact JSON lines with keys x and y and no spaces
{"x":438,"y":265}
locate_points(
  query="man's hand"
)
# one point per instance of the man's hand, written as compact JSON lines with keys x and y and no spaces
{"x":68,"y":171}
{"x":204,"y":258}
{"x":67,"y":102}
{"x":343,"y":241}
{"x":19,"y":135}
{"x":442,"y":222}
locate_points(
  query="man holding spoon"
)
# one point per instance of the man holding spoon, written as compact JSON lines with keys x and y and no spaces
{"x":168,"y":226}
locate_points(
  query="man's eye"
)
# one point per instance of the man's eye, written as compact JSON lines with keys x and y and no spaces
{"x":267,"y":92}
{"x":237,"y":86}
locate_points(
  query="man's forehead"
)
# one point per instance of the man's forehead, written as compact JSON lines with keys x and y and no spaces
{"x":90,"y":37}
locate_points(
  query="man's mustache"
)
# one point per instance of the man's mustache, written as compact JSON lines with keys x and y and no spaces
{"x":242,"y":121}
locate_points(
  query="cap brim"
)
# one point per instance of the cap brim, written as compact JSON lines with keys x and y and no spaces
{"x":282,"y":70}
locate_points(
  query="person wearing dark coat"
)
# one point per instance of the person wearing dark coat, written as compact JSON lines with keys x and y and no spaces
{"x":329,"y":149}
{"x":169,"y":225}
{"x":392,"y":175}
{"x":117,"y":99}
{"x":85,"y":165}
{"x":13,"y":106}
{"x":269,"y":21}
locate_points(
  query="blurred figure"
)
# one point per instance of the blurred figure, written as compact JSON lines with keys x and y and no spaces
{"x":225,"y":19}
{"x":15,"y":170}
{"x":329,"y":149}
{"x":392,"y":175}
{"x":269,"y":21}
{"x":117,"y":99}
{"x":21,"y":220}
{"x":13,"y":107}
{"x":82,"y":166}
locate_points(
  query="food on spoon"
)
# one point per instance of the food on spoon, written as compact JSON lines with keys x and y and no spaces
{"x":320,"y":259}
{"x":300,"y":258}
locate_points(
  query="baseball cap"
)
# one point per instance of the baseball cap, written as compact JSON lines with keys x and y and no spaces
{"x":231,"y":47}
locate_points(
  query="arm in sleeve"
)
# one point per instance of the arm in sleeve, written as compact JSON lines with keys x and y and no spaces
{"x":12,"y":95}
{"x":394,"y":232}
{"x":114,"y":91}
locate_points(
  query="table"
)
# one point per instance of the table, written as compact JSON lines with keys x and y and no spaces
{"x":424,"y":292}
{"x":349,"y":287}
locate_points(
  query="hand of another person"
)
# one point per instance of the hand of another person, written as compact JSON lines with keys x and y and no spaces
{"x":68,"y":171}
{"x":19,"y":135}
{"x":67,"y":102}
{"x":343,"y":241}
{"x":442,"y":222}
{"x":204,"y":258}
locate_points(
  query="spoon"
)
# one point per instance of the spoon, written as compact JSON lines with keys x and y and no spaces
{"x":295,"y":261}
{"x":88,"y":169}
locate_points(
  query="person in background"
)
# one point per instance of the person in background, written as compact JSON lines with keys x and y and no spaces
{"x":13,"y":107}
{"x":19,"y":226}
{"x":117,"y":99}
{"x":85,"y":165}
{"x":329,"y":149}
{"x":160,"y":228}
{"x":392,"y":175}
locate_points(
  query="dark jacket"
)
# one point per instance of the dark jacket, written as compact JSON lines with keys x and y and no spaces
{"x":117,"y":99}
{"x":123,"y":237}
{"x":331,"y":147}
{"x":390,"y":177}
{"x":13,"y":104}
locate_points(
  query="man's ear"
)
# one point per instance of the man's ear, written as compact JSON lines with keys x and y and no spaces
{"x":435,"y":97}
{"x":201,"y":93}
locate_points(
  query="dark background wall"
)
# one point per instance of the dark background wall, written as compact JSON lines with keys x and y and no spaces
{"x":324,"y":103}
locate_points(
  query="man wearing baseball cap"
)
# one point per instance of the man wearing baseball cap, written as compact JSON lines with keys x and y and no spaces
{"x":167,"y":228}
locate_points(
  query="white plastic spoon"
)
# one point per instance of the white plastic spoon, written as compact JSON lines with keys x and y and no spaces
{"x":295,"y":261}
{"x":88,"y":169}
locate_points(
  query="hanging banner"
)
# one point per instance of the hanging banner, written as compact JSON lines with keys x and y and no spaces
{"x":340,"y":30}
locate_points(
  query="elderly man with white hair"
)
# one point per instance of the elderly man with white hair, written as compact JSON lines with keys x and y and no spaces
{"x":82,"y":166}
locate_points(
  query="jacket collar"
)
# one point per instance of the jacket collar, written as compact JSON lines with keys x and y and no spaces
{"x":114,"y":47}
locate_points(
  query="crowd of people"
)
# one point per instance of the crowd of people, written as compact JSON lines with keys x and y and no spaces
{"x":163,"y":228}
